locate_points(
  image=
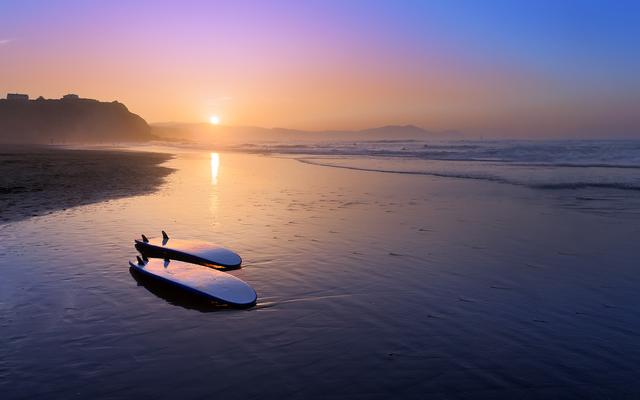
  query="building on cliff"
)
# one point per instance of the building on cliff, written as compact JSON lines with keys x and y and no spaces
{"x":17,"y":97}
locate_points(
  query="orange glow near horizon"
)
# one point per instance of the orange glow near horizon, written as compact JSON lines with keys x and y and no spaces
{"x":324,"y":65}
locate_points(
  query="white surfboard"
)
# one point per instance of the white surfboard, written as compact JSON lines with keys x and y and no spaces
{"x":209,"y":283}
{"x":193,"y":251}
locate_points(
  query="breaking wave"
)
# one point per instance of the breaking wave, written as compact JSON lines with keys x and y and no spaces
{"x":552,"y":165}
{"x":484,"y":177}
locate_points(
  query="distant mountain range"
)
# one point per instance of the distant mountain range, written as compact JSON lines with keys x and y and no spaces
{"x":207,"y":133}
{"x":72,"y":119}
{"x":68,"y":120}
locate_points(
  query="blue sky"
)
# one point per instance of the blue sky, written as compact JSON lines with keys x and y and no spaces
{"x":509,"y":67}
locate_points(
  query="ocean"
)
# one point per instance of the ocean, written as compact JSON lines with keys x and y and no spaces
{"x":572,"y":164}
{"x":598,"y":176}
{"x":410,"y":283}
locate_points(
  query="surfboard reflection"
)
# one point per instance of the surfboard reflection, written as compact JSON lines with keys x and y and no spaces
{"x":176,"y":296}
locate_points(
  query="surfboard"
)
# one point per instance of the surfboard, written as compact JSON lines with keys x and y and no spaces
{"x":208,"y":283}
{"x":192,"y":251}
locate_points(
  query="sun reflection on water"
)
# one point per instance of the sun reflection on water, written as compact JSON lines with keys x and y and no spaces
{"x":215,"y":165}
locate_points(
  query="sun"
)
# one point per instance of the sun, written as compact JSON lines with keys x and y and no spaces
{"x":214,"y":120}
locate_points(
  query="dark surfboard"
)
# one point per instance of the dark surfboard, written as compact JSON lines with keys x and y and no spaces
{"x":192,"y":251}
{"x":207,"y":283}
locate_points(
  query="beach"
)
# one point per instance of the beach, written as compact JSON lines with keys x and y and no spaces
{"x":36,"y":180}
{"x":370,"y":285}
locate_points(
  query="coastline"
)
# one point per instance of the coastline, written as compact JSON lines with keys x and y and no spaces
{"x":38,"y":180}
{"x":368,"y":284}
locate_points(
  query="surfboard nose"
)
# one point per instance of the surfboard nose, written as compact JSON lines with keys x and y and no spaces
{"x":232,"y":258}
{"x":222,"y":256}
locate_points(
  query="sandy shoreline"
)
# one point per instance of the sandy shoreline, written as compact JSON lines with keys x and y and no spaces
{"x":37,"y":180}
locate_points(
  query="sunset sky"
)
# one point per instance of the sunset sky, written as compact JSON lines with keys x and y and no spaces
{"x":510,"y":68}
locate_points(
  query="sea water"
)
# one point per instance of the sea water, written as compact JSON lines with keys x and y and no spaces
{"x":370,"y":285}
{"x":539,"y":164}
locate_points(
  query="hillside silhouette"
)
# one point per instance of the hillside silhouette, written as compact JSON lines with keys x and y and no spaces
{"x":68,"y":120}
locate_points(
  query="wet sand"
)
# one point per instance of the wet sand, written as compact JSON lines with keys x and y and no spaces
{"x":370,"y":285}
{"x":39,"y":180}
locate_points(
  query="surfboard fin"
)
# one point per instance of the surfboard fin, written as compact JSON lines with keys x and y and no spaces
{"x":165,"y":236}
{"x":144,"y":239}
{"x":140,"y":262}
{"x":166,"y":262}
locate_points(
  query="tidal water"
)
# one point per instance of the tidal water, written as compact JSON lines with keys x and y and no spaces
{"x":552,"y":164}
{"x":370,"y":285}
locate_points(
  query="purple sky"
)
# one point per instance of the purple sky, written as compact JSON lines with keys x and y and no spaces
{"x":536,"y":69}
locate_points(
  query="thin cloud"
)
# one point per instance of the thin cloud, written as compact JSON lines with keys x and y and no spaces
{"x":5,"y":41}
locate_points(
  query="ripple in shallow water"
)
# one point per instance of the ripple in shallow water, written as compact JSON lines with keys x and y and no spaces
{"x":461,"y":312}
